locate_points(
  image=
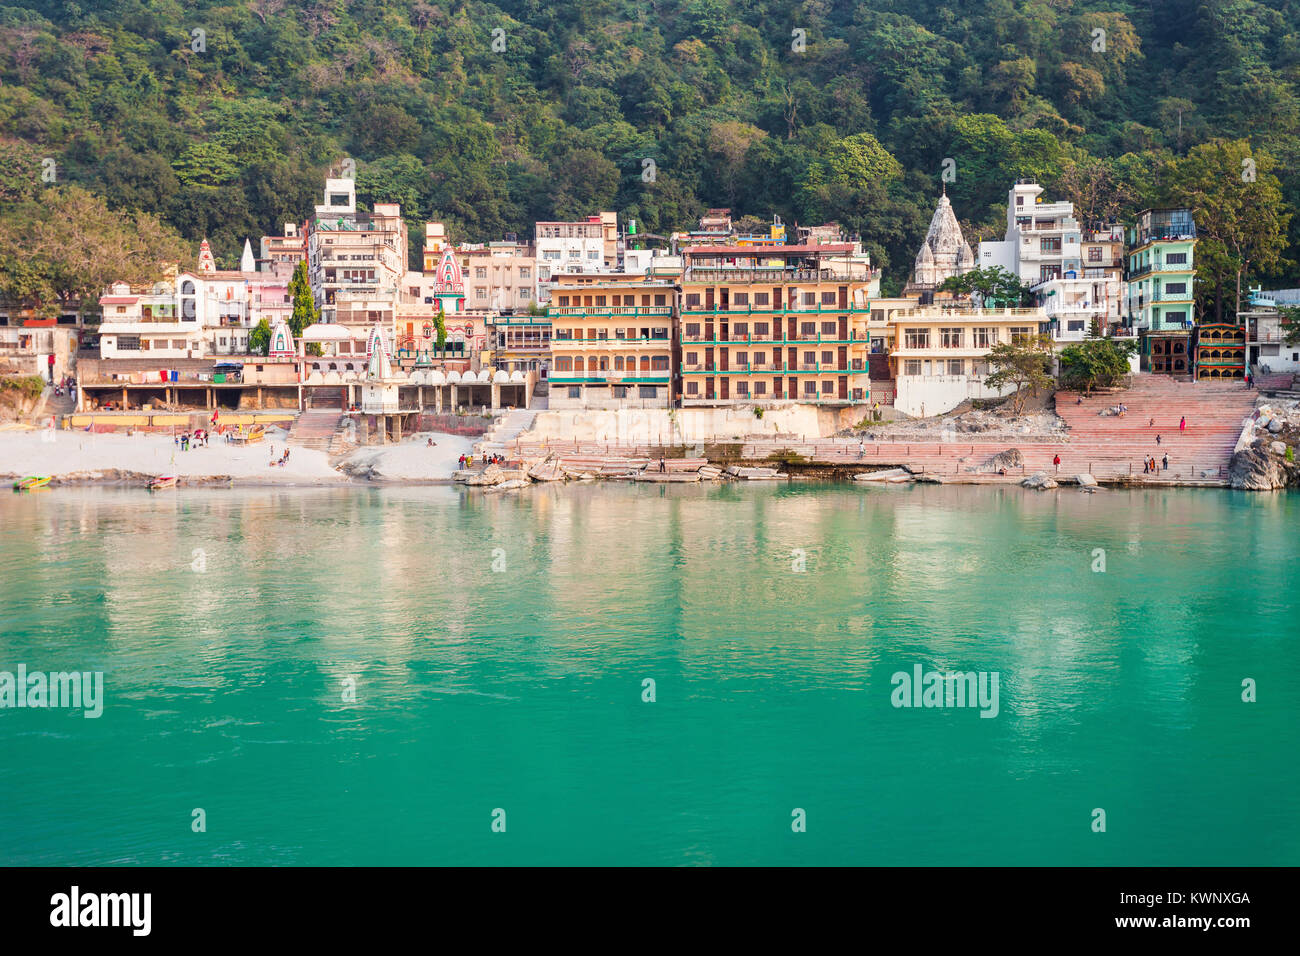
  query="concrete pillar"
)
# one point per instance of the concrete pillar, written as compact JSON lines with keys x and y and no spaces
{"x":124,"y":396}
{"x":437,"y":398}
{"x":419,"y":397}
{"x":496,"y":396}
{"x":397,"y":428}
{"x":454,"y":403}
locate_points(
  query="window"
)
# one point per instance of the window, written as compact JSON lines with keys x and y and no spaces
{"x":692,"y":388}
{"x":618,"y":363}
{"x":807,"y":328}
{"x":1176,"y":258}
{"x":575,"y":391}
{"x":1019,"y":333}
{"x":742,"y":388}
{"x":984,"y":338}
{"x":1074,"y":325}
{"x":956,"y":367}
{"x":525,"y":272}
{"x":809,"y":358}
{"x":828,"y":387}
{"x":480,"y":272}
{"x":564,"y":363}
{"x":916,"y":338}
{"x":659,"y":333}
{"x":551,"y":254}
{"x":692,"y":358}
{"x":760,"y":388}
{"x":810,"y":388}
{"x":480,"y":293}
{"x":693,"y":329}
{"x":912,"y":367}
{"x":129,"y":343}
{"x":1020,"y":200}
{"x":761,"y":298}
{"x":742,"y":359}
{"x":1176,"y":288}
{"x":693,"y":300}
{"x":1094,"y":254}
{"x":950,"y":338}
{"x":760,"y":358}
{"x":760,"y":328}
{"x":828,"y":298}
{"x":741,"y":329}
{"x":828,"y":358}
{"x":647,"y":391}
{"x":659,"y":363}
{"x":1050,"y":244}
{"x":741,"y":298}
{"x":808,"y":298}
{"x":828,"y":328}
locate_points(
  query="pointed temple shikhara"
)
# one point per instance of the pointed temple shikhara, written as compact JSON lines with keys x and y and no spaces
{"x":944,"y":253}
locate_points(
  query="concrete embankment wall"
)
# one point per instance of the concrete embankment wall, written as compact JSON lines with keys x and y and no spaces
{"x":658,"y":426}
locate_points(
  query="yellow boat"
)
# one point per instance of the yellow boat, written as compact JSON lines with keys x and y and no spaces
{"x":31,"y":482}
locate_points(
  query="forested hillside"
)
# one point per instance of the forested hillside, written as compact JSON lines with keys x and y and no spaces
{"x":814,"y":111}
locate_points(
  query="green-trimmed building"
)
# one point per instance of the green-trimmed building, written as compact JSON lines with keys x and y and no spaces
{"x":1161,"y":276}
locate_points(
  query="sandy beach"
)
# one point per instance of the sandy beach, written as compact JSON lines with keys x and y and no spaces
{"x":77,"y":456}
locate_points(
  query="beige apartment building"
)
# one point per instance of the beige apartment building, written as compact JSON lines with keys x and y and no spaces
{"x":611,"y":342}
{"x":356,"y":261}
{"x":775,"y":324}
{"x":940,"y":354}
{"x":500,"y":277}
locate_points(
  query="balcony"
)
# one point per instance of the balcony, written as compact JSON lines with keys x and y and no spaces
{"x":1150,"y":267}
{"x":855,"y":338}
{"x":720,"y":274}
{"x":734,"y":310}
{"x":602,"y":311}
{"x":610,"y":342}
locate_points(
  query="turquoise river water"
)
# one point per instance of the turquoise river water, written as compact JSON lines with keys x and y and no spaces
{"x":386,"y":676}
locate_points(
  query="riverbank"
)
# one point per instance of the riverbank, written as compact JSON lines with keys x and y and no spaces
{"x":89,"y":458}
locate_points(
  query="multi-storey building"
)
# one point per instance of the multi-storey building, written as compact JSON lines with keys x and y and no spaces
{"x":1161,"y":277}
{"x":611,"y":343}
{"x":1267,"y":350}
{"x":774,"y":324}
{"x":499,"y":276}
{"x":1076,"y":271}
{"x":940,"y":353}
{"x":590,"y":245}
{"x":356,"y":261}
{"x":290,"y":248}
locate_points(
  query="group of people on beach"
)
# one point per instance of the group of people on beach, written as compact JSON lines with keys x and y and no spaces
{"x":195,"y":439}
{"x":279,"y":462}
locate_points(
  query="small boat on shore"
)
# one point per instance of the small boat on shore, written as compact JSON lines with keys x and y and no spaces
{"x":31,"y":482}
{"x":162,"y":482}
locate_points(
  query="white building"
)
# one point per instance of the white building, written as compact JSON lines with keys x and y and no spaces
{"x":589,"y":245}
{"x":1077,"y":273}
{"x":356,"y":261}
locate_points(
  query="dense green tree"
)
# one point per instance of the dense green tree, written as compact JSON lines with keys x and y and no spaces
{"x":305,"y":311}
{"x":1096,"y":363}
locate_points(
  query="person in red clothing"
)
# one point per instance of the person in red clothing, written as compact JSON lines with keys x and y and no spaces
{"x":1057,"y":462}
{"x":1182,"y":424}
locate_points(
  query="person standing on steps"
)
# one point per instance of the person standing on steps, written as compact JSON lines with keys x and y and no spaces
{"x":1182,"y":424}
{"x":1158,"y":439}
{"x":1165,"y":460}
{"x":1056,"y":460}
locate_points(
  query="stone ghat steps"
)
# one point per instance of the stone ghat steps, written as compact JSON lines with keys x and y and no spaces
{"x":314,"y":429}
